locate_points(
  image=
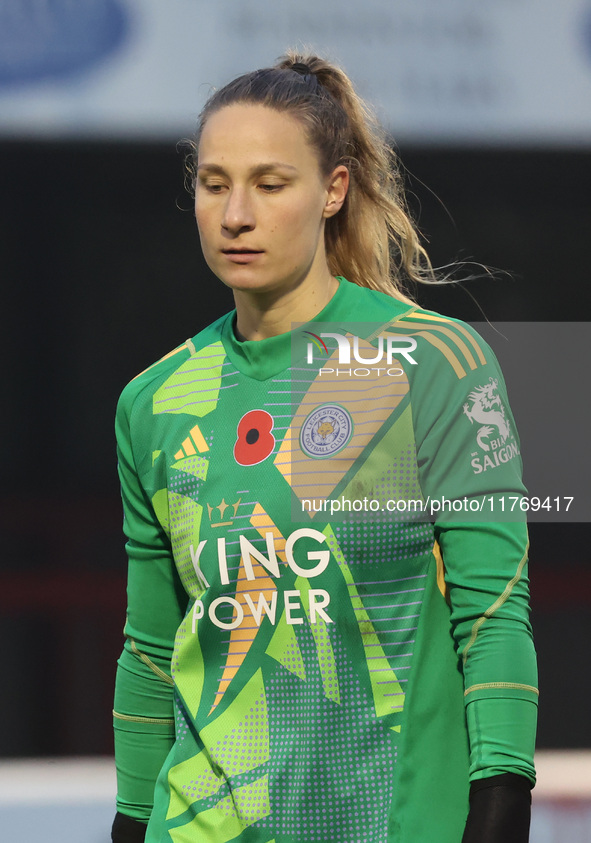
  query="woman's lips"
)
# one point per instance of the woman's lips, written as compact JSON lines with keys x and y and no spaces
{"x":246,"y":256}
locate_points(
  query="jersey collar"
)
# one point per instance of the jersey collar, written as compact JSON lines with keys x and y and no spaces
{"x":262,"y":359}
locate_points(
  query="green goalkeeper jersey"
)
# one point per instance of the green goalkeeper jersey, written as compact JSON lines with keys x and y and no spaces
{"x":328,"y":594}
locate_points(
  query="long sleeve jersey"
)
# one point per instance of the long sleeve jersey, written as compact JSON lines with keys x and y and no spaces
{"x":328,"y":629}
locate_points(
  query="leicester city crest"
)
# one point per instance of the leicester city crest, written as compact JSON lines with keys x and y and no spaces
{"x":326,"y":431}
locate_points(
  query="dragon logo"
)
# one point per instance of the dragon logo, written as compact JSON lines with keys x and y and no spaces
{"x":494,"y":435}
{"x":488,"y":411}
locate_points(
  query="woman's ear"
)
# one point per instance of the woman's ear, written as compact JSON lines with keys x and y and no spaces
{"x":338,"y":184}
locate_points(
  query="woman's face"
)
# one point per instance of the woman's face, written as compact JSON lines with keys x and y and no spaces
{"x":261,"y":200}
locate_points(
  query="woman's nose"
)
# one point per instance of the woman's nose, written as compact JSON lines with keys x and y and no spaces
{"x":238,"y":213}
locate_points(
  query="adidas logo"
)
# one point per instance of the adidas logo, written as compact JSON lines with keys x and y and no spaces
{"x":193,"y":444}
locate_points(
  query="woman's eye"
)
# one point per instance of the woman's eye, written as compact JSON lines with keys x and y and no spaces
{"x":271,"y":188}
{"x":211,"y":186}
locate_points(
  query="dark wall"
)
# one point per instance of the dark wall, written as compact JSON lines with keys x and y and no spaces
{"x":101,"y":275}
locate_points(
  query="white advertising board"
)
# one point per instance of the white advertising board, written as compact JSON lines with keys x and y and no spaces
{"x":438,"y":71}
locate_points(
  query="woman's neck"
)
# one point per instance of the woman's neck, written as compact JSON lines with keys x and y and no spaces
{"x":263,"y":315}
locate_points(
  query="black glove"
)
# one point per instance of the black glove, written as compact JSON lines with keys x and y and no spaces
{"x":500,"y":809}
{"x":127,"y":830}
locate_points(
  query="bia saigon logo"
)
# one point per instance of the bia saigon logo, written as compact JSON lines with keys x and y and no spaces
{"x":494,"y":437}
{"x":326,"y":431}
{"x":389,"y":347}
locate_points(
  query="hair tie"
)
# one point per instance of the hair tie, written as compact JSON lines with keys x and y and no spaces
{"x":309,"y":76}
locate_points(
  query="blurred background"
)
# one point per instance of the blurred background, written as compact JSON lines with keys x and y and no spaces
{"x":489,"y":106}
